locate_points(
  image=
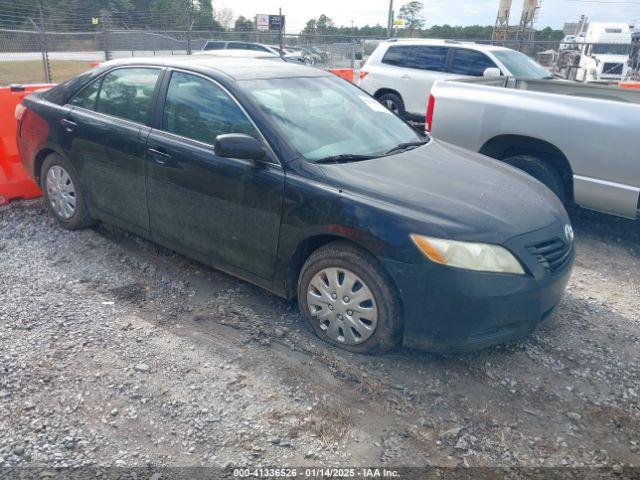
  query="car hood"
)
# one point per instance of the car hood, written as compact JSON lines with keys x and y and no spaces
{"x":446,"y":190}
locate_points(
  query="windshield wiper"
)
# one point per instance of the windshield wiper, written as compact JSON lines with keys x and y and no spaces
{"x":405,"y":146}
{"x":345,"y":158}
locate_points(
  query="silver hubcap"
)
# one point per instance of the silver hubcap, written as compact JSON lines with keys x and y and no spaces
{"x":61,"y":192}
{"x":343,"y":305}
{"x":391,"y":105}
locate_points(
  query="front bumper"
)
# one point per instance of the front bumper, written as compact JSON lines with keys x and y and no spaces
{"x":453,"y":310}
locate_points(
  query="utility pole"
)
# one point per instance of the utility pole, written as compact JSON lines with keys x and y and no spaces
{"x":281,"y":33}
{"x":45,"y":52}
{"x":190,"y":23}
{"x":390,"y":20}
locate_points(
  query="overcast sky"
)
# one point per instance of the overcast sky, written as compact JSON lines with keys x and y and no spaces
{"x":454,"y":12}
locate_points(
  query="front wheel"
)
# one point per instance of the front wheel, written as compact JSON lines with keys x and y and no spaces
{"x":348,"y":300}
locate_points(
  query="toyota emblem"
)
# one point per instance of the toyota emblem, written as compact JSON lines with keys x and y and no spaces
{"x":568,"y":232}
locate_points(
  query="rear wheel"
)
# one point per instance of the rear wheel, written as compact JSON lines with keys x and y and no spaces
{"x":63,"y":193}
{"x":541,"y":171}
{"x":348,"y":300}
{"x":393,"y":102}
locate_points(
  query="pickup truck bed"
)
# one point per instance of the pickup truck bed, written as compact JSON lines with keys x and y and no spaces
{"x":587,"y":137}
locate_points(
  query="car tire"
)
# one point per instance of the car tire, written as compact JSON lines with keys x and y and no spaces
{"x":63,"y":193}
{"x":394,"y":103}
{"x":541,"y":171}
{"x":373,"y":291}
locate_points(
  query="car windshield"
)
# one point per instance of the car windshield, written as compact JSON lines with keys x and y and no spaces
{"x":324,"y":117}
{"x":520,"y":65}
{"x":611,"y":49}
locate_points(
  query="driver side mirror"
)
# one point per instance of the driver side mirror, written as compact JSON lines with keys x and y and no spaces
{"x":492,"y":72}
{"x":239,"y":145}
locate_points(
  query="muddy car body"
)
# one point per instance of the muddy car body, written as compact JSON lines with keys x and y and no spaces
{"x":297,"y":181}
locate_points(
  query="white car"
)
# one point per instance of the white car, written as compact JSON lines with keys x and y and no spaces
{"x":400,"y":73}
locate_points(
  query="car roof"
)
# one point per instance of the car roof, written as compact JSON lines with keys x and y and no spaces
{"x":238,"y":53}
{"x":233,"y":67}
{"x":443,"y":42}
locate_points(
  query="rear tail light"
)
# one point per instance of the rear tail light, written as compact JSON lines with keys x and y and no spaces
{"x":362,"y":74}
{"x":20,"y":109}
{"x":428,"y":121}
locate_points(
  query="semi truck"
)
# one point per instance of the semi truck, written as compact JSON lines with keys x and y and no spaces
{"x":599,"y":54}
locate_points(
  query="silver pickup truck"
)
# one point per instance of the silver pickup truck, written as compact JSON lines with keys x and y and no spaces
{"x":582,"y":141}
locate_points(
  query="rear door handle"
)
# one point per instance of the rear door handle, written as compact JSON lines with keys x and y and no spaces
{"x":159,"y":155}
{"x":405,"y":76}
{"x":69,"y":125}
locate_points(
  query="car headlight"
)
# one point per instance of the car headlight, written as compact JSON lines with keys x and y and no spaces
{"x":482,"y":257}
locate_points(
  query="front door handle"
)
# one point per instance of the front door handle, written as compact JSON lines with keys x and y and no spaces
{"x":69,"y":125}
{"x":405,"y":76}
{"x":159,"y":155}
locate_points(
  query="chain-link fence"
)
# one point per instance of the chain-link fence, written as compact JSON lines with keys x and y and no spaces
{"x":32,"y":56}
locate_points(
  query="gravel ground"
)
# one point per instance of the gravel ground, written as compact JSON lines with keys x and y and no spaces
{"x":116,"y":352}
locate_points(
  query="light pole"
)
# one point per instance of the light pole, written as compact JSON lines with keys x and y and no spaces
{"x":390,"y":20}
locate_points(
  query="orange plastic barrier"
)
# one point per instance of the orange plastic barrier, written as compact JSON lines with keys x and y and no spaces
{"x":14,"y":181}
{"x":629,"y":84}
{"x":346,"y":73}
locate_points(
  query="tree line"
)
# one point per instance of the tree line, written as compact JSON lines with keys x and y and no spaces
{"x":78,"y":15}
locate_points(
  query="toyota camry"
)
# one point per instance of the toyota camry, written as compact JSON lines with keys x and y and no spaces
{"x":297,"y":181}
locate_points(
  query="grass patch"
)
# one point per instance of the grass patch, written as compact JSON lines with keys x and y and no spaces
{"x":32,"y":71}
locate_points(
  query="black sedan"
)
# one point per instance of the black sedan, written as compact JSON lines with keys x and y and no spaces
{"x":299,"y":182}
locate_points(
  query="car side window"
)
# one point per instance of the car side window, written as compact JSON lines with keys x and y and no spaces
{"x":257,"y":48}
{"x":213,"y":46}
{"x":198,"y":109}
{"x":470,"y":62}
{"x":239,"y":46}
{"x":398,"y":56}
{"x":126,"y":93}
{"x":430,"y":58}
{"x":87,"y":97}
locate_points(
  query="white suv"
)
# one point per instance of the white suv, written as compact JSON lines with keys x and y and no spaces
{"x":400,"y":73}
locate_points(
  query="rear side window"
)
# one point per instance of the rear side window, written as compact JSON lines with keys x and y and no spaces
{"x":258,"y":48}
{"x":398,"y":56}
{"x":198,"y":109}
{"x":87,"y":97}
{"x":430,"y":58}
{"x":127,"y":92}
{"x":239,"y":46}
{"x":213,"y":46}
{"x":470,"y":62}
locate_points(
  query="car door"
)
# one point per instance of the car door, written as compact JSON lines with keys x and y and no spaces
{"x":225,"y":210}
{"x":108,"y":122}
{"x":427,"y":65}
{"x":470,"y":63}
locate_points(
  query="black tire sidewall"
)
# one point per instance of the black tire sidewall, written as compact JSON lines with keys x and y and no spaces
{"x":541,"y":171}
{"x":395,"y":99}
{"x":81,"y":217}
{"x":389,"y":327}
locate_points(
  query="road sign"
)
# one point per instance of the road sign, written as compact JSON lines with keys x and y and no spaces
{"x":276,"y":22}
{"x":262,"y":22}
{"x":400,"y":23}
{"x":270,"y":22}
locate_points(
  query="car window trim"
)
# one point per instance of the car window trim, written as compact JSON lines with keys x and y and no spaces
{"x":447,"y":60}
{"x":154,"y":96}
{"x":158,"y":114}
{"x":95,"y":103}
{"x":410,"y":57}
{"x":450,"y":70}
